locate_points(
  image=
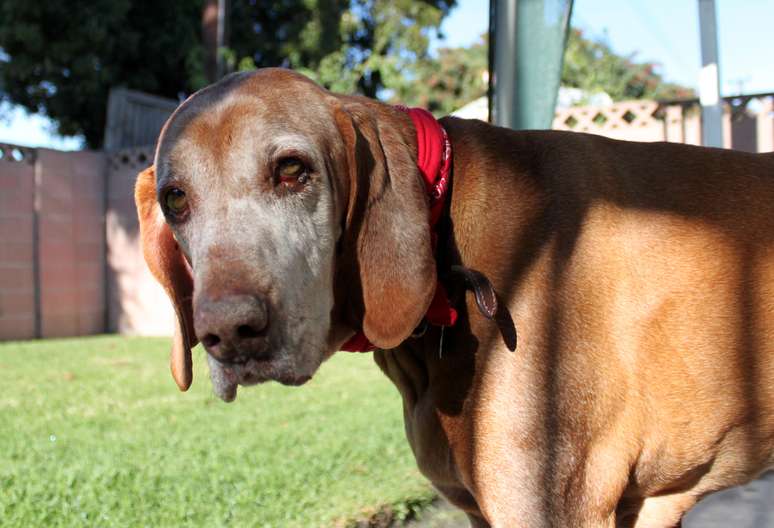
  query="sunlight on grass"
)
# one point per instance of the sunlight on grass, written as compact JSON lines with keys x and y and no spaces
{"x":94,"y":432}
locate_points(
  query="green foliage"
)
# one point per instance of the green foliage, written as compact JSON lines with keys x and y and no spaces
{"x":64,"y":56}
{"x":348,"y":46}
{"x":93,"y":432}
{"x":444,"y":83}
{"x":458,"y":75}
{"x":592,"y":66}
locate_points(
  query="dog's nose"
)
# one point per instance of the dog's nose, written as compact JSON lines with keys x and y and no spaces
{"x":233,"y":327}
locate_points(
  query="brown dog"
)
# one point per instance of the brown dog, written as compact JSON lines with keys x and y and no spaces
{"x":640,"y":277}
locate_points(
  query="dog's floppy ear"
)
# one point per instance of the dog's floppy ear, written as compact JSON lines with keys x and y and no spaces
{"x":171,"y":269}
{"x":386,"y":227}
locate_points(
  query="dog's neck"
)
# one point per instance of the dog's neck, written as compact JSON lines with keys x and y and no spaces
{"x":473,"y":232}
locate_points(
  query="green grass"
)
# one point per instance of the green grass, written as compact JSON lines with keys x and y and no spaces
{"x":93,"y":432}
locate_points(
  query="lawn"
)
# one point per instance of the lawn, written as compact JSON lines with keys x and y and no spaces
{"x":93,"y":432}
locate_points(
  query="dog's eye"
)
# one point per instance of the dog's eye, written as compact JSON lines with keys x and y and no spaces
{"x":176,"y":201}
{"x":292,"y":171}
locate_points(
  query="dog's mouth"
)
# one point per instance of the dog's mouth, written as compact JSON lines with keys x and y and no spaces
{"x":226,"y":377}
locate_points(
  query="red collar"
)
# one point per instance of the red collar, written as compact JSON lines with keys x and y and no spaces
{"x":434,"y":162}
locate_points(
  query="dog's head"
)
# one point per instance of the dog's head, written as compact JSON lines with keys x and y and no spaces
{"x":280,"y":219}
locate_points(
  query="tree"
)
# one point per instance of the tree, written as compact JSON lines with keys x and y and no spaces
{"x":348,"y":46}
{"x":62,"y":57}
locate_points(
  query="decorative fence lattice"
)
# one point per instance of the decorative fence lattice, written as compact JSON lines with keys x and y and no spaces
{"x":748,"y":121}
{"x":17,"y":153}
{"x":134,"y":158}
{"x":625,"y":115}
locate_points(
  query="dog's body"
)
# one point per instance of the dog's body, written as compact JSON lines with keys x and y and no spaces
{"x":640,"y":278}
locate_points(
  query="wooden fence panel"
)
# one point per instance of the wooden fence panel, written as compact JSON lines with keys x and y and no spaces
{"x":135,"y":118}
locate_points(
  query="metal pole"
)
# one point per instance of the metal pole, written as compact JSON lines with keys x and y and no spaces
{"x":504,"y":71}
{"x":528,"y":37}
{"x":709,"y":80}
{"x":490,"y":62}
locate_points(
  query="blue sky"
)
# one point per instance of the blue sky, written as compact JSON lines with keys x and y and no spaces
{"x":661,"y":31}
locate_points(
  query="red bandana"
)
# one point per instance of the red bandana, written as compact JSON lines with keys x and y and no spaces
{"x":434,"y":162}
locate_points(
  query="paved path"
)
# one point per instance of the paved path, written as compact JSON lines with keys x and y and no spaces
{"x":749,"y":506}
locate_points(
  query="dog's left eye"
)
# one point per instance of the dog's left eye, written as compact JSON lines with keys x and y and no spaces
{"x":292,"y":171}
{"x":176,"y":201}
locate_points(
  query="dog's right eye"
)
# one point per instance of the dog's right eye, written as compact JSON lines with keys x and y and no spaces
{"x":292,"y":172}
{"x":176,"y":201}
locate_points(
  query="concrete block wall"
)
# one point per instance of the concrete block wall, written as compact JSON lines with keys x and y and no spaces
{"x":17,"y":248}
{"x":137,"y":305}
{"x":52,"y":243}
{"x":70,"y":259}
{"x":71,"y":241}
